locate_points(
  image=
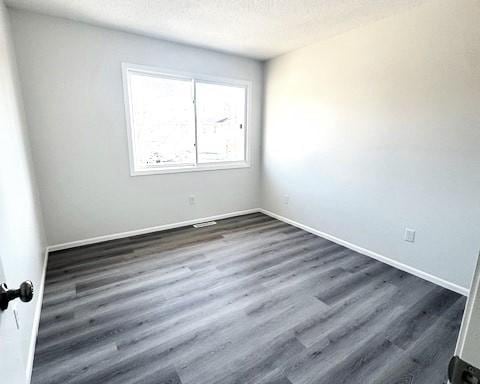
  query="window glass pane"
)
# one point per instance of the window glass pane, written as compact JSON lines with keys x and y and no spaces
{"x":220,"y":122}
{"x":163,"y":121}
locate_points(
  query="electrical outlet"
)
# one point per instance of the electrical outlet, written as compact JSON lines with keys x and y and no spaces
{"x":409,"y":235}
{"x":191,"y":199}
{"x":286,"y":199}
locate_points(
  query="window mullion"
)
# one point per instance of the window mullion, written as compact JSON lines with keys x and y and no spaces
{"x":194,"y":85}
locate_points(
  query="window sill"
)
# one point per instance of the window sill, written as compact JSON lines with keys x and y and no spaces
{"x":198,"y":168}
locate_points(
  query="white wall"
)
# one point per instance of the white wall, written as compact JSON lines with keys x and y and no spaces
{"x":71,"y":78}
{"x":378,"y":129}
{"x":22,"y":243}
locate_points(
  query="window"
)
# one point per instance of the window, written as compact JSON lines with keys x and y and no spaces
{"x":178,"y":122}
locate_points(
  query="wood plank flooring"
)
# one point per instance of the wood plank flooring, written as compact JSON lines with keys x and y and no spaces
{"x":249,"y":300}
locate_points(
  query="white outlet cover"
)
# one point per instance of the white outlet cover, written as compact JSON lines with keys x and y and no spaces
{"x":191,"y":199}
{"x":409,"y":235}
{"x":286,"y":199}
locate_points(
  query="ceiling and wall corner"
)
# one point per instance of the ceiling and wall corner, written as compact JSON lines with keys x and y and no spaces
{"x":259,"y":29}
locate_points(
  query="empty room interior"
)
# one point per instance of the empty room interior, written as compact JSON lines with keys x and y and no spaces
{"x":239,"y":192}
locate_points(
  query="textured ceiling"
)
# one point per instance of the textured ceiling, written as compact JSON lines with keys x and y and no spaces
{"x":255,"y":28}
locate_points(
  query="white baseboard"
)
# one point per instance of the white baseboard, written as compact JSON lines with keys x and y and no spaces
{"x":384,"y":259}
{"x":143,"y":231}
{"x":424,"y":275}
{"x":36,"y":318}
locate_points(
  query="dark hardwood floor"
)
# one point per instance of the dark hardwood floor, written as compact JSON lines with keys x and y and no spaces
{"x":249,"y":300}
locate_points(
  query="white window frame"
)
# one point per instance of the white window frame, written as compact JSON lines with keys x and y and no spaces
{"x":194,"y":77}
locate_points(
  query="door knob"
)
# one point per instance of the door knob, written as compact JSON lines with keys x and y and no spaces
{"x":25,"y":293}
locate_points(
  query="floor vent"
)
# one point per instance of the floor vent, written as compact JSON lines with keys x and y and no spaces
{"x":206,"y":224}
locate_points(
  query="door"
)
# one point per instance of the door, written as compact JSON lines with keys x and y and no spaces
{"x":12,"y":366}
{"x":467,"y":369}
